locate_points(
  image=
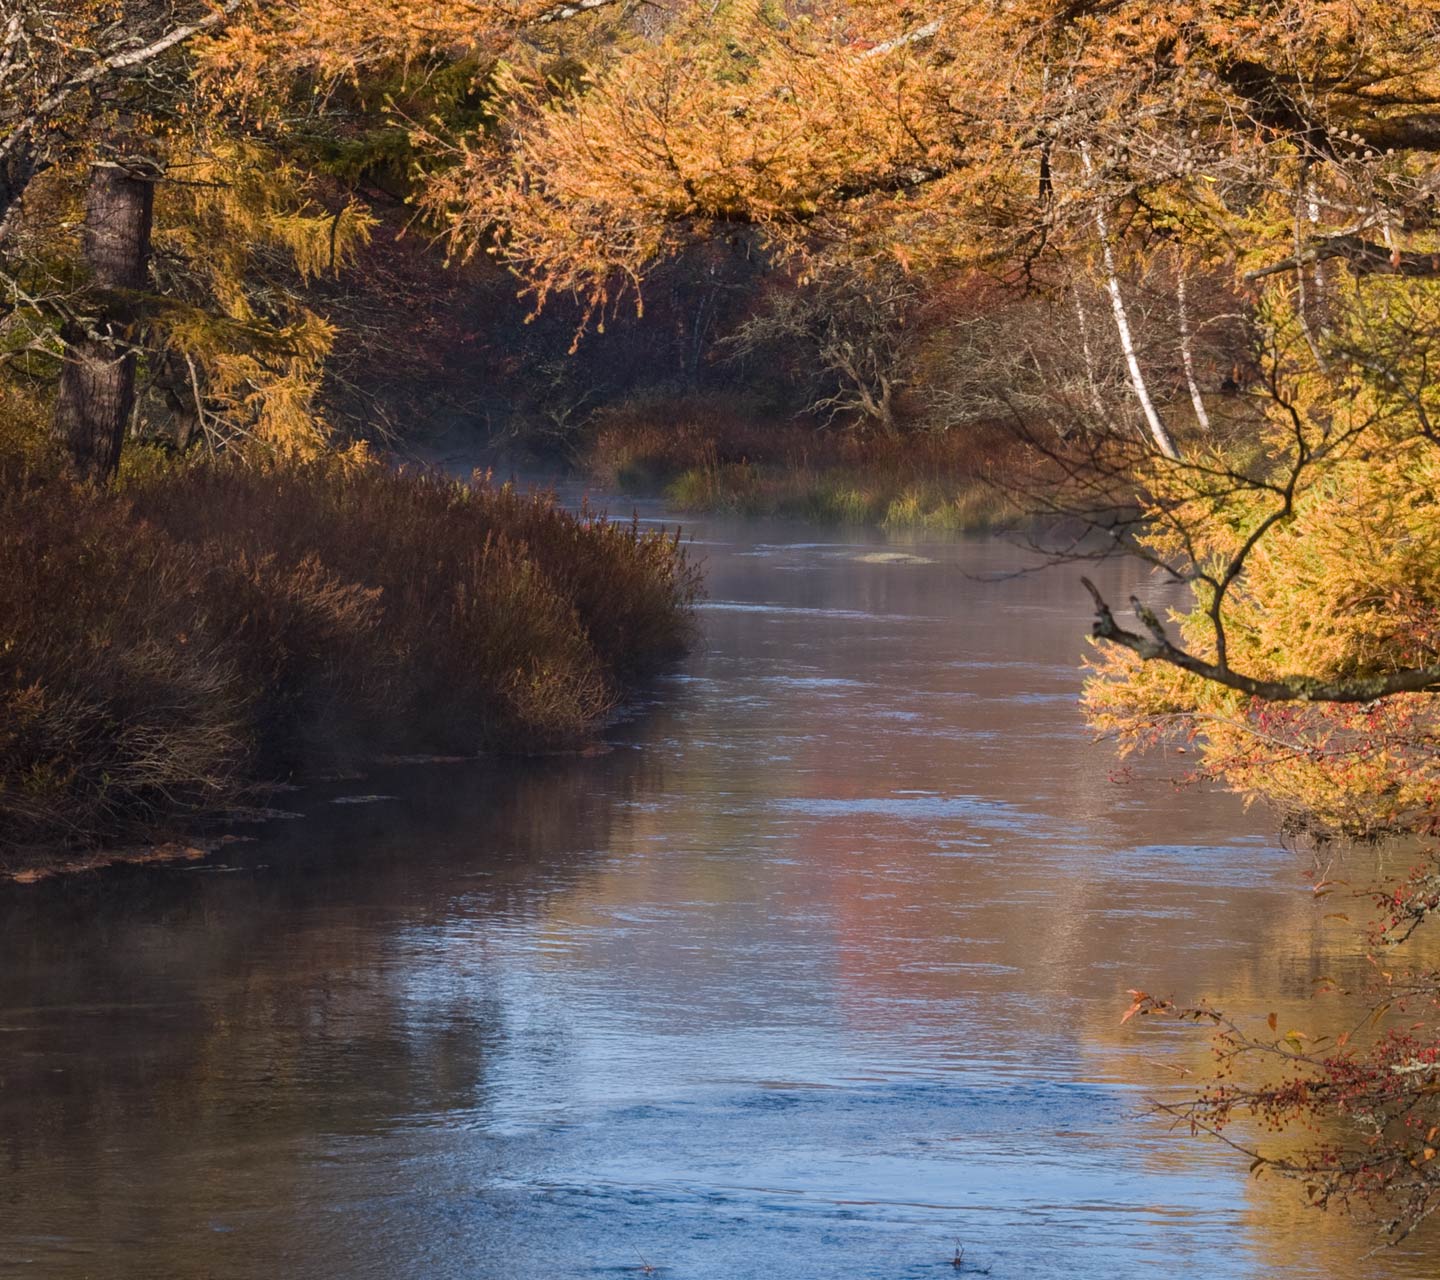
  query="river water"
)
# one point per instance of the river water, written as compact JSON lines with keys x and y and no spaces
{"x":817,"y":972}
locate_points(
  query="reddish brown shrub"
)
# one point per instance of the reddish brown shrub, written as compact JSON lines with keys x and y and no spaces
{"x":212,"y":627}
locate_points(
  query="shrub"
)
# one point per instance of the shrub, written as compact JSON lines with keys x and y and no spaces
{"x":209,"y":627}
{"x":647,"y":441}
{"x":114,"y":707}
{"x":437,"y":549}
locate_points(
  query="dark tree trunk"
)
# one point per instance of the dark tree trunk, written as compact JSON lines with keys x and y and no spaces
{"x":97,"y":386}
{"x":16,"y":170}
{"x":174,"y":381}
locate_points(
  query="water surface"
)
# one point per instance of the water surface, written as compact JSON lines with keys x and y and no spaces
{"x":817,"y":972}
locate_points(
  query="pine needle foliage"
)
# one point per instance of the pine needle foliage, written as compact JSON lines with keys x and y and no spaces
{"x":1343,"y":585}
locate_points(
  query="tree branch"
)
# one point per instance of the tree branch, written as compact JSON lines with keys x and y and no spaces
{"x":121,"y":61}
{"x":899,"y":42}
{"x":1364,"y":257}
{"x":1156,"y":646}
{"x":565,"y":11}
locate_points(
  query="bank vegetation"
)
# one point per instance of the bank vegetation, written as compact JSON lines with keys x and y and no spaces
{"x":174,"y":646}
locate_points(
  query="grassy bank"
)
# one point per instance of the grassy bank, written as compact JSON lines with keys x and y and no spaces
{"x":703,"y":460}
{"x":172,"y":645}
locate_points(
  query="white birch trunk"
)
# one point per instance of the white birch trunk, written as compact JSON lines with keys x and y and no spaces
{"x":1187,"y":355}
{"x":1302,"y":299}
{"x":1158,"y":432}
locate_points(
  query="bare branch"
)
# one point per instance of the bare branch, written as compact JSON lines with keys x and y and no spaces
{"x":1364,"y":257}
{"x":121,"y":61}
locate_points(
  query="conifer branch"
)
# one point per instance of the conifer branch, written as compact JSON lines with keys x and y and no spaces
{"x":123,"y":60}
{"x":1156,"y":646}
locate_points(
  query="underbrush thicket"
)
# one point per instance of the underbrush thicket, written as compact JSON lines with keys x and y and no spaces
{"x":704,"y":459}
{"x":200,"y":630}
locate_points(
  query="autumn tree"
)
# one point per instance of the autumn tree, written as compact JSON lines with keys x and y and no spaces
{"x":71,"y":80}
{"x":1014,"y":137}
{"x":852,"y":331}
{"x":206,"y":150}
{"x":106,"y":120}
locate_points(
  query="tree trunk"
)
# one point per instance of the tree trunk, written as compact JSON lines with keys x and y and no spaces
{"x":1091,"y":381}
{"x":1158,"y":432}
{"x":1187,"y":355}
{"x":97,"y":385}
{"x":1312,"y":211}
{"x":1302,"y":301}
{"x":174,"y":378}
{"x":16,"y":170}
{"x":886,"y":405}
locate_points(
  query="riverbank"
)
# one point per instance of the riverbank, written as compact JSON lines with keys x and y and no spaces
{"x":703,"y":460}
{"x":173,"y":647}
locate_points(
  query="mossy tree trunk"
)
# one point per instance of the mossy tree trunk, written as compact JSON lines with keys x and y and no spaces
{"x":97,"y":386}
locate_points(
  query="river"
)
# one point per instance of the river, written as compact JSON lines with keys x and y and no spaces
{"x":816,"y":971}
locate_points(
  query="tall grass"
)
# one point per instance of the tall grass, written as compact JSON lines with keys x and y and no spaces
{"x":167,"y":646}
{"x":704,"y":459}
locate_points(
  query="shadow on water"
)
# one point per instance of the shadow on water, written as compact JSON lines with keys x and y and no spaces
{"x":817,"y":970}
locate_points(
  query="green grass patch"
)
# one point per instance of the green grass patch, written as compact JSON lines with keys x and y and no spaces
{"x":964,"y":504}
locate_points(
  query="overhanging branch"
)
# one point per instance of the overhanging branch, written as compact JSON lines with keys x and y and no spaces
{"x":1156,"y":646}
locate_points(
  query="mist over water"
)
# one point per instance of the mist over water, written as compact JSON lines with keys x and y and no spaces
{"x":815,"y":973}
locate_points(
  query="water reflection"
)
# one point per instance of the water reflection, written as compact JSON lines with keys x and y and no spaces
{"x":818,"y":970}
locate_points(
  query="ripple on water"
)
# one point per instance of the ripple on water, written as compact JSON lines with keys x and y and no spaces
{"x":915,"y":807}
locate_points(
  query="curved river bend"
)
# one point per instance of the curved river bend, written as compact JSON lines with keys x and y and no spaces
{"x":817,"y":972}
